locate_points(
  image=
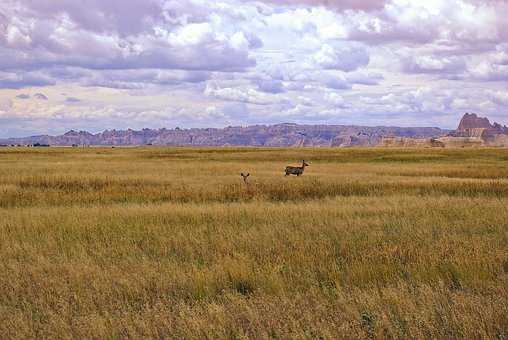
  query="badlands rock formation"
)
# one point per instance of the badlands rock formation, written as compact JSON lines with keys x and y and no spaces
{"x":287,"y":135}
{"x":478,"y":128}
{"x":472,"y":131}
{"x":473,"y":126}
{"x":470,"y":121}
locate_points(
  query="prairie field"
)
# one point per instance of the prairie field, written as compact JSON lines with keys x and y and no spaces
{"x":171,"y":243}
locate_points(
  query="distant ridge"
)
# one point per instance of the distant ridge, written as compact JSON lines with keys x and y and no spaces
{"x":256,"y":135}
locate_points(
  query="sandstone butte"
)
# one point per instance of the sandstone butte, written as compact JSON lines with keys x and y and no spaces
{"x":472,"y":131}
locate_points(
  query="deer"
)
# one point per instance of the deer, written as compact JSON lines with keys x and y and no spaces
{"x":296,"y":170}
{"x":245,"y":176}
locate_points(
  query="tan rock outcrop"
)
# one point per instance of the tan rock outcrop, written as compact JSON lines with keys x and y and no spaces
{"x":462,"y":142}
{"x":402,"y":142}
{"x":500,"y":141}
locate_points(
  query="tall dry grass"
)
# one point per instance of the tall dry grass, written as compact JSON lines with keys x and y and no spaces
{"x":170,"y":243}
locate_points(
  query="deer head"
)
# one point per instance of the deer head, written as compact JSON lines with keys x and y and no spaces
{"x":304,"y":164}
{"x":245,"y":176}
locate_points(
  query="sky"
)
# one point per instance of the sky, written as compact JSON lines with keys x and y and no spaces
{"x":104,"y":64}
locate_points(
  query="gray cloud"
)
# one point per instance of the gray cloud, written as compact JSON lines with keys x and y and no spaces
{"x":125,"y":17}
{"x":104,"y":35}
{"x":137,"y":79}
{"x":365,"y":78}
{"x":270,"y":86}
{"x":365,"y":5}
{"x":433,"y":65}
{"x":11,"y":80}
{"x":236,"y":111}
{"x":338,"y":83}
{"x":5,"y":106}
{"x":243,"y":95}
{"x":213,"y":56}
{"x":40,"y":96}
{"x":23,"y":96}
{"x":344,"y":58}
{"x":72,"y":100}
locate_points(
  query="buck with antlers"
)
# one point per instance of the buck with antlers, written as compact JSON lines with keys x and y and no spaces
{"x":245,"y":176}
{"x":296,"y":170}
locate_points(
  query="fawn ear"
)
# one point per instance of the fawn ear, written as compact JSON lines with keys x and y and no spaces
{"x":241,"y":174}
{"x":247,"y":175}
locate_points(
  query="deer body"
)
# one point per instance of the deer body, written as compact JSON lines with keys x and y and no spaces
{"x":296,"y":170}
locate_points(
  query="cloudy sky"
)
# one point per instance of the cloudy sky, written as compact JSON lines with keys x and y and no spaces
{"x":103,"y":64}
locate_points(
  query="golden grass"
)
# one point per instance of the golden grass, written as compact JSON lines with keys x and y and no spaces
{"x":170,"y":243}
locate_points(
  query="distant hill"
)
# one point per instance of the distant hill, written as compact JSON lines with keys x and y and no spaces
{"x":286,"y":135}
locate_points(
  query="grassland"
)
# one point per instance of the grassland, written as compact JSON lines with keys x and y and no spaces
{"x":170,"y":243}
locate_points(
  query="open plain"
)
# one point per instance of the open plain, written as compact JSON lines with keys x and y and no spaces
{"x":171,"y":243}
